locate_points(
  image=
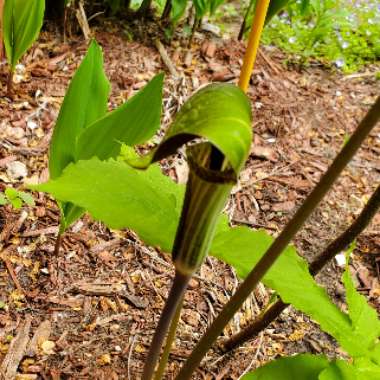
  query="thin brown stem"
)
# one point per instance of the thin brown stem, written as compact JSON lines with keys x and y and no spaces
{"x":168,"y":8}
{"x":175,"y":297}
{"x":244,"y":22}
{"x":281,"y":242}
{"x":338,"y":245}
{"x":57,"y":245}
{"x":10,"y":83}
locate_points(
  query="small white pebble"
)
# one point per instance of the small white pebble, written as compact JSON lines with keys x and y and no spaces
{"x":17,"y":170}
{"x":31,"y":124}
{"x":340,"y":259}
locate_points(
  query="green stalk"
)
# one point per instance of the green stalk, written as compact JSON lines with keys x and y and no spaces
{"x":336,"y":246}
{"x":281,"y":242}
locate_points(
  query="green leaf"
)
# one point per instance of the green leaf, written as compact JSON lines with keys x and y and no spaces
{"x":339,"y":370}
{"x":22,"y":21}
{"x":133,"y":123}
{"x":150,"y":203}
{"x":275,"y":6}
{"x":366,"y":369}
{"x":365,"y":323}
{"x":84,"y":103}
{"x":300,"y":367}
{"x":178,"y":9}
{"x":242,"y":248}
{"x":200,"y":7}
{"x":16,"y":203}
{"x":3,"y":200}
{"x":220,"y":113}
{"x":144,"y":201}
{"x":11,"y":193}
{"x":26,"y":197}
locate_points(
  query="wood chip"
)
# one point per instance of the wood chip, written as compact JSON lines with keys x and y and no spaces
{"x":108,"y":289}
{"x":16,"y":351}
{"x":41,"y":335}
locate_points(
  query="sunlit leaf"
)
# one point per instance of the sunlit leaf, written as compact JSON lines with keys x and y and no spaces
{"x":145,"y":201}
{"x":150,"y":204}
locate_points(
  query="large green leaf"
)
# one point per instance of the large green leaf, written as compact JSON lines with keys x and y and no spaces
{"x":22,"y":21}
{"x":300,"y":367}
{"x":289,"y":276}
{"x":133,"y":123}
{"x":220,"y":113}
{"x":145,"y":201}
{"x":149,"y":203}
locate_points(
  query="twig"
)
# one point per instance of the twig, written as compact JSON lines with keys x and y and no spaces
{"x":42,"y":231}
{"x":16,"y":351}
{"x":12,"y":273}
{"x":82,"y":20}
{"x":281,"y":242}
{"x":166,"y":59}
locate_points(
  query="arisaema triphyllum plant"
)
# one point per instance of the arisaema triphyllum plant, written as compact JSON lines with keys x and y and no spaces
{"x":216,"y":126}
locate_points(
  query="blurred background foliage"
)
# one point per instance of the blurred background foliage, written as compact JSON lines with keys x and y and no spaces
{"x":343,"y":34}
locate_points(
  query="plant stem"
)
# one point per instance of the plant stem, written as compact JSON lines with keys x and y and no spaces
{"x":336,"y":246}
{"x":177,"y":291}
{"x":244,"y":22}
{"x":168,"y":8}
{"x":10,"y":83}
{"x":169,"y":342}
{"x":57,"y":245}
{"x":281,"y":242}
{"x":144,"y":8}
{"x":253,"y":43}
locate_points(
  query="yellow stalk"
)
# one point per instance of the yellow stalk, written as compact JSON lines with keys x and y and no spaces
{"x":253,"y":43}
